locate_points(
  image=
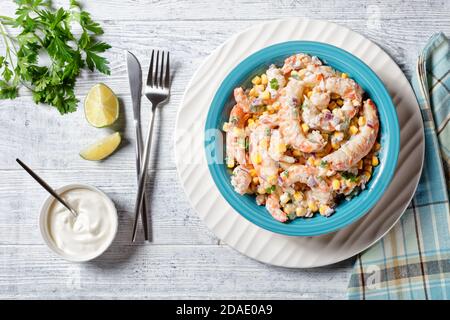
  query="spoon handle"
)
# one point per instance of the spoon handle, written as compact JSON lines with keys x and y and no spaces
{"x":46,"y":186}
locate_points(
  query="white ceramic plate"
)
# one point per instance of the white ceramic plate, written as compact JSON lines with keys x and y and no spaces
{"x":230,"y":226}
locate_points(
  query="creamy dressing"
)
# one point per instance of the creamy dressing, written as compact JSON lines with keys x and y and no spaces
{"x":90,"y":232}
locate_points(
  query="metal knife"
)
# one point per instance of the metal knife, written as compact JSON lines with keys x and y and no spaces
{"x":135,"y":81}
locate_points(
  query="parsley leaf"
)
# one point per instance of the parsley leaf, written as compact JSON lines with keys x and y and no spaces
{"x":274,"y":84}
{"x":270,"y":189}
{"x":42,"y":28}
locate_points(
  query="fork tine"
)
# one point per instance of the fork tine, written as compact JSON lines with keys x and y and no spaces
{"x":160,"y":78}
{"x":155,"y":82}
{"x":167,"y":76}
{"x":150,"y":71}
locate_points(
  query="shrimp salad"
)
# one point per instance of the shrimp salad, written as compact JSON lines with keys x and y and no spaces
{"x":301,"y":139}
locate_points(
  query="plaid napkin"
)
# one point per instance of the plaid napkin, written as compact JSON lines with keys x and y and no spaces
{"x":413,"y":260}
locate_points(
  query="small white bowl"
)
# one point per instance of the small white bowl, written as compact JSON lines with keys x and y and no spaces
{"x":44,"y":225}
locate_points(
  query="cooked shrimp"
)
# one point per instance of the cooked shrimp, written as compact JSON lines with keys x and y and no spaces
{"x":274,"y":208}
{"x":240,"y":180}
{"x":315,"y":114}
{"x":350,"y":92}
{"x":241,"y":99}
{"x":296,"y":62}
{"x":308,"y":175}
{"x":359,"y":145}
{"x":235,"y":137}
{"x":315,"y":74}
{"x":277,"y":148}
{"x":290,"y":120}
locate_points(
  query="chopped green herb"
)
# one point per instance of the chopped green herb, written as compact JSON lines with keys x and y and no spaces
{"x":267,"y":131}
{"x":323,"y":164}
{"x":274,"y":84}
{"x":270,"y":189}
{"x":247,"y":144}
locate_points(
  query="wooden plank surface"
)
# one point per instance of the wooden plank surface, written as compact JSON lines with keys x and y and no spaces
{"x":185,"y":260}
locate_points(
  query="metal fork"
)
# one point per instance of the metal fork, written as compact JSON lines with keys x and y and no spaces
{"x":157,"y":91}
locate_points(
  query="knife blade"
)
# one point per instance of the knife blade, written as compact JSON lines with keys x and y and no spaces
{"x":135,"y":81}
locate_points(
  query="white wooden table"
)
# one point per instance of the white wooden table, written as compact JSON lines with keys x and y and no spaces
{"x":184,"y":260}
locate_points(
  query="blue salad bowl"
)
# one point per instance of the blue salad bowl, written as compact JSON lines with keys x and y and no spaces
{"x":346,"y":212}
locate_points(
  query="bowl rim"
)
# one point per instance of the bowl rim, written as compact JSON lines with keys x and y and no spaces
{"x":44,"y":210}
{"x":381,"y":179}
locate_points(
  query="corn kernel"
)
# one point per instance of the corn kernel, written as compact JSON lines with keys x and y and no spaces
{"x":253,"y":92}
{"x":335,"y":145}
{"x":305,"y":127}
{"x":325,"y":136}
{"x":361,"y":121}
{"x":367,"y":174}
{"x":348,"y":183}
{"x":276,"y":106}
{"x":368,"y":169}
{"x":257,"y":159}
{"x":252,"y":172}
{"x":360,"y":164}
{"x":377,"y":146}
{"x":300,"y":211}
{"x":226,"y":127}
{"x":272,"y":179}
{"x":294,"y":73}
{"x":309,"y":94}
{"x":255,"y":180}
{"x":311,"y":161}
{"x":375,"y":161}
{"x":344,"y":75}
{"x":256,"y":80}
{"x":250,"y":122}
{"x":296,"y":153}
{"x":298,"y":196}
{"x":264,"y":143}
{"x":317,"y":162}
{"x":332,"y":105}
{"x":261,"y":190}
{"x":338,"y":135}
{"x":269,"y":107}
{"x":259,"y":88}
{"x":265,"y":95}
{"x":336,"y":184}
{"x":230,"y":163}
{"x":281,"y":147}
{"x":353,"y":130}
{"x":334,"y":96}
{"x":312,"y":206}
{"x":264,"y":79}
{"x":323,"y":209}
{"x":339,"y":102}
{"x":284,"y":198}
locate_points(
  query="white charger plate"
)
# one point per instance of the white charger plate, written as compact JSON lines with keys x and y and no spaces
{"x":230,"y":226}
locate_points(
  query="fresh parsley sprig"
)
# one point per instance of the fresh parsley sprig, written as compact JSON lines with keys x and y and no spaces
{"x":44,"y":31}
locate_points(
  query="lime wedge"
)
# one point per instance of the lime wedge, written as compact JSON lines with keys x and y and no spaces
{"x":102,"y":148}
{"x":101,"y":106}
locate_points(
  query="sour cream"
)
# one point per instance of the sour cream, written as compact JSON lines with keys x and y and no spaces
{"x":85,"y":236}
